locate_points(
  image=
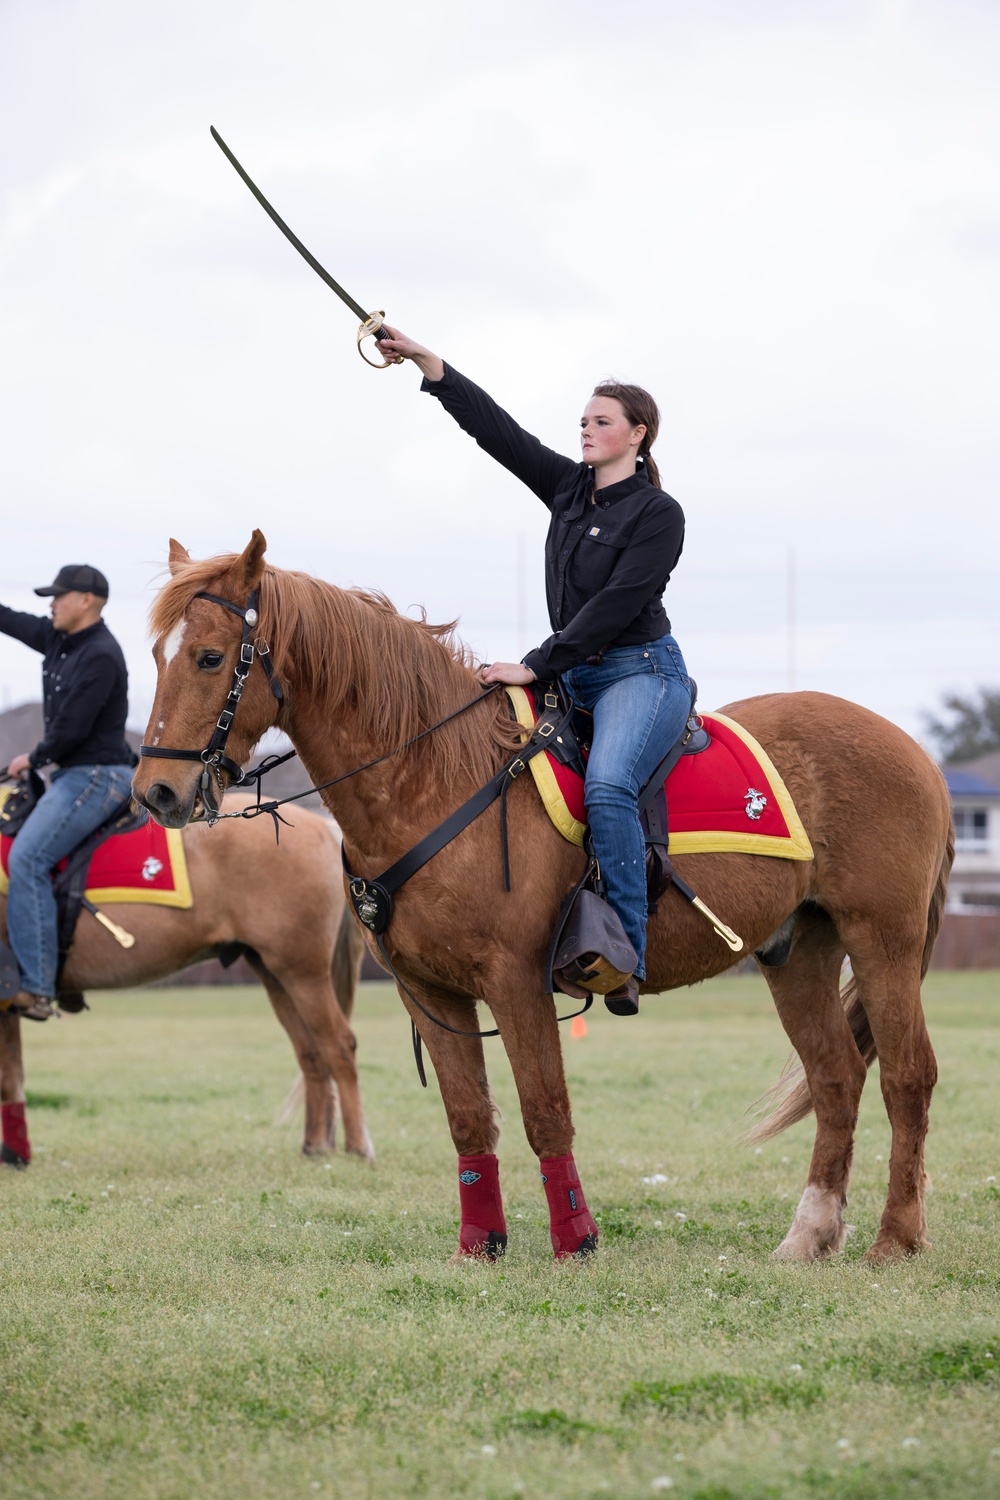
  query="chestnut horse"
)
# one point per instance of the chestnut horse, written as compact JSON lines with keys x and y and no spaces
{"x":359,"y":681}
{"x":284,"y":909}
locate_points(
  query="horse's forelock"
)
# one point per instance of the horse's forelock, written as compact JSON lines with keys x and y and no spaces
{"x":171,"y":603}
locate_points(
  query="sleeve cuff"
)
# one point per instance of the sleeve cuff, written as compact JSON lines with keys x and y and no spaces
{"x":535,"y":662}
{"x":434,"y":386}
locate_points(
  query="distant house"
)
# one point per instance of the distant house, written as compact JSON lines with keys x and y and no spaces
{"x":975,"y":805}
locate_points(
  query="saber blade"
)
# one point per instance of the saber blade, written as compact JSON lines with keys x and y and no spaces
{"x":293,"y":238}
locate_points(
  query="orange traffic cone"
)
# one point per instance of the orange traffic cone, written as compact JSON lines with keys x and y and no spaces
{"x":578,"y":1026}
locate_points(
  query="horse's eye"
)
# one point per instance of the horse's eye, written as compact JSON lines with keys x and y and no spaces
{"x":208,"y":661}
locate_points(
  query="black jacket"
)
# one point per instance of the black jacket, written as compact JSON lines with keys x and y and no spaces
{"x":607,"y":562}
{"x":84,"y":691}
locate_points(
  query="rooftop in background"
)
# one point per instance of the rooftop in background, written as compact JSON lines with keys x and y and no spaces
{"x":962,"y":783}
{"x":986,"y":766}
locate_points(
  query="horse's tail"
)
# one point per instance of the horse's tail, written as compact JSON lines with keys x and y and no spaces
{"x":790,"y":1095}
{"x":348,"y":951}
{"x":292,"y":1102}
{"x":935,"y":915}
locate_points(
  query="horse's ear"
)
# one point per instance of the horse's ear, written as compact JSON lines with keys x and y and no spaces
{"x":178,"y":558}
{"x":251,"y":564}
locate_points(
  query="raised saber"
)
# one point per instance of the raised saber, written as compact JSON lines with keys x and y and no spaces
{"x":371,"y":323}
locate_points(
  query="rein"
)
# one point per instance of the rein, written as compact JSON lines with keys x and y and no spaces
{"x":371,"y":899}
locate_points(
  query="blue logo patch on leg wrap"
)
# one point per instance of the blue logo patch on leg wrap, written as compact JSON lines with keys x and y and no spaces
{"x":469,"y":1177}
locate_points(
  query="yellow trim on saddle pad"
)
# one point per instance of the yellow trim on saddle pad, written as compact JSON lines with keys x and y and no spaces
{"x":129,"y":895}
{"x":545,"y":778}
{"x":710,"y":841}
{"x":796,"y":846}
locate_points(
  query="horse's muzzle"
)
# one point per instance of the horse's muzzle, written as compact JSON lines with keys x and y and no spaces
{"x":165,"y":805}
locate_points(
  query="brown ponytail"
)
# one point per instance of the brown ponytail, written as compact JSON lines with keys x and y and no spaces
{"x":642,"y":411}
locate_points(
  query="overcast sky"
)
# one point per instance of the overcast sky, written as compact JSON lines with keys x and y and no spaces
{"x":781,"y":216}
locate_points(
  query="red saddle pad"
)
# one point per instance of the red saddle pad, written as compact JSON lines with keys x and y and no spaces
{"x":147,"y":864}
{"x":728,"y":798}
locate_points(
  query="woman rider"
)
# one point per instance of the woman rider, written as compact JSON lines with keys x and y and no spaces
{"x":613,"y":542}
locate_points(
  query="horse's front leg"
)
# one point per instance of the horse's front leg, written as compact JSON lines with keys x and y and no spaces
{"x":526,"y":1016}
{"x":15,"y":1150}
{"x":472,"y":1117}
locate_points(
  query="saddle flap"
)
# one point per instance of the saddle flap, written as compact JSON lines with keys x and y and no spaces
{"x":10,"y":974}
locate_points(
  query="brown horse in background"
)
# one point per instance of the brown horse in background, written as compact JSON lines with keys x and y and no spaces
{"x":360,"y":680}
{"x":284,"y":909}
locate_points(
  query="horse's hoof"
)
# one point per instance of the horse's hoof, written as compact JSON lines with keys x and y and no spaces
{"x":887,"y":1250}
{"x":586,"y":1248}
{"x":366,"y":1149}
{"x":493,"y":1248}
{"x":9,"y":1158}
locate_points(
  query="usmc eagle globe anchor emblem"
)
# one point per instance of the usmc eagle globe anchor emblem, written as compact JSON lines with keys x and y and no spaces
{"x":755,"y":803}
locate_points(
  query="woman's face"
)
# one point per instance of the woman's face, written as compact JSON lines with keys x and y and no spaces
{"x":606,"y":434}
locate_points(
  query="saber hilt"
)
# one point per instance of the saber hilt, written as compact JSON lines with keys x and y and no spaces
{"x":372,"y":327}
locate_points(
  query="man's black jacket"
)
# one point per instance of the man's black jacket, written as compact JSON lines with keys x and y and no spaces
{"x":84,"y":691}
{"x":607,"y":561}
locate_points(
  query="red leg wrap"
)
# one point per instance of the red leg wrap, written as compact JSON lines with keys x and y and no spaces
{"x":484,"y":1228}
{"x":15,"y":1131}
{"x":571,"y":1224}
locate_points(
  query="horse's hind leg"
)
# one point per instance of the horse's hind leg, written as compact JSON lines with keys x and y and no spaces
{"x":15,"y":1150}
{"x":806,"y":992}
{"x":887,"y":967}
{"x":320,"y":1130}
{"x":324,"y":1046}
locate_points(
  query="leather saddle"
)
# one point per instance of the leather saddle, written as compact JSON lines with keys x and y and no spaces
{"x":572,"y":750}
{"x":589,"y":950}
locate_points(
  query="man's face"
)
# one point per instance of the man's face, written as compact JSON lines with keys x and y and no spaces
{"x":72,"y":611}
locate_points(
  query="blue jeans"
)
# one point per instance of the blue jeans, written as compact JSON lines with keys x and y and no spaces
{"x":78,"y":801}
{"x":640,"y":697}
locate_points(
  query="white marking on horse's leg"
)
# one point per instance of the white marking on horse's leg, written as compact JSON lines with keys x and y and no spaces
{"x":818,"y":1229}
{"x":172,"y":644}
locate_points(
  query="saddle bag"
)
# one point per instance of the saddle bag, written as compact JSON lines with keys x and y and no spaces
{"x":21,"y":803}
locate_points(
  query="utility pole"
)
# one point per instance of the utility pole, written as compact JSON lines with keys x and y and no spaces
{"x":790,"y":601}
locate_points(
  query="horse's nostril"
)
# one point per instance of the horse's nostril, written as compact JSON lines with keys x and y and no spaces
{"x":161,"y":797}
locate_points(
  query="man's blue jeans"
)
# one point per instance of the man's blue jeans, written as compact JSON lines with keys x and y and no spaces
{"x":78,"y":801}
{"x":640,"y":697}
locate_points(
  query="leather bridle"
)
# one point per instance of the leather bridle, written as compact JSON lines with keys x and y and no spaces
{"x":214,"y":757}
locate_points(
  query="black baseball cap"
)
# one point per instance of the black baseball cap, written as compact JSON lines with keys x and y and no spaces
{"x":79,"y":577}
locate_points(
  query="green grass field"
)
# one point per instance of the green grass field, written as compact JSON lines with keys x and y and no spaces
{"x":191,"y":1309}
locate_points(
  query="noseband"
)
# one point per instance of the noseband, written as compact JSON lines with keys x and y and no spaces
{"x":213,"y":756}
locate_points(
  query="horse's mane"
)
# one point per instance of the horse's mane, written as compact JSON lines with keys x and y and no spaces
{"x":352,"y":647}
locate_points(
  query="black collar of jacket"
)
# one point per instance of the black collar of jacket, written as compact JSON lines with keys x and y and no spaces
{"x":78,"y":637}
{"x":612,"y":493}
